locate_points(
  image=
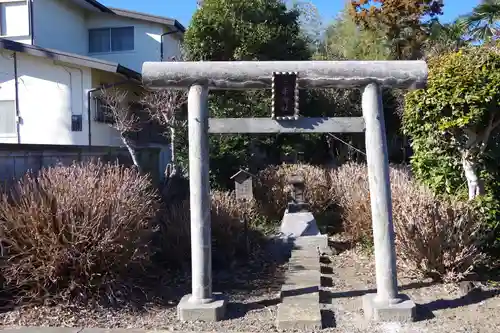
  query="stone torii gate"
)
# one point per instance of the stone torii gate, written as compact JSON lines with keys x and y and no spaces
{"x":370,"y":76}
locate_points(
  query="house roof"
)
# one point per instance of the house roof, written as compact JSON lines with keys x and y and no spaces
{"x":95,"y":5}
{"x":92,"y":5}
{"x":70,"y":58}
{"x":243,"y":172}
{"x":172,"y":23}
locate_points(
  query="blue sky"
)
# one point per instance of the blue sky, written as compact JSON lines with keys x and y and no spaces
{"x":183,"y":9}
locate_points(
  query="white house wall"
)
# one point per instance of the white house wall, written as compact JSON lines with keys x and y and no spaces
{"x":60,"y":25}
{"x":49,"y":94}
{"x":147,"y":41}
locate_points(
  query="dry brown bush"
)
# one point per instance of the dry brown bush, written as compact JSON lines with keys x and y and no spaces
{"x":69,"y":232}
{"x":351,"y":192}
{"x":435,"y":237}
{"x":228,"y":240}
{"x":273,"y":191}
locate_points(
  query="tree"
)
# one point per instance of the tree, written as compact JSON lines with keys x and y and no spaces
{"x":164,"y":107}
{"x":401,"y":22}
{"x":482,"y":23}
{"x":117,"y":109}
{"x":344,"y":39}
{"x":243,"y":30}
{"x":452,"y":122}
{"x":448,"y":37}
{"x":310,"y":21}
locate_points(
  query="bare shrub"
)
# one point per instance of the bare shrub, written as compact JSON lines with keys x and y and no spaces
{"x":435,"y":237}
{"x":351,"y":192}
{"x":172,"y":241}
{"x":273,"y":191}
{"x":69,"y":232}
{"x":227,"y":228}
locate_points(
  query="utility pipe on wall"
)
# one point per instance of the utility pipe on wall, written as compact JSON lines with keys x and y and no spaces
{"x":161,"y":41}
{"x":16,"y":88}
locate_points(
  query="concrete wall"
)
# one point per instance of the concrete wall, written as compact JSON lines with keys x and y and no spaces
{"x":60,"y":25}
{"x":16,"y":160}
{"x":49,"y":94}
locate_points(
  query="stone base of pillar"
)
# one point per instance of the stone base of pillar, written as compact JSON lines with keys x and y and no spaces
{"x":404,"y":311}
{"x":209,"y":312}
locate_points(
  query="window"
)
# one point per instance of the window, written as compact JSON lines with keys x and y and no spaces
{"x":102,"y":113}
{"x":14,"y":17}
{"x":76,"y":123}
{"x":111,"y":40}
{"x":8,"y":124}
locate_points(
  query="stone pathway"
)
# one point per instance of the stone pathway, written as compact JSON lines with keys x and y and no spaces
{"x":300,"y":301}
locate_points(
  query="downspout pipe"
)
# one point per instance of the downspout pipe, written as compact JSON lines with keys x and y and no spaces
{"x":161,"y":41}
{"x":16,"y":87}
{"x":31,"y":21}
{"x":89,"y":113}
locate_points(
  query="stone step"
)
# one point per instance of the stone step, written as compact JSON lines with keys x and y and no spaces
{"x":303,"y":277}
{"x":288,"y":290}
{"x":300,"y":265}
{"x":299,"y":317}
{"x":311,"y":298}
{"x":306,"y":255}
{"x":299,"y":260}
{"x":312,"y":242}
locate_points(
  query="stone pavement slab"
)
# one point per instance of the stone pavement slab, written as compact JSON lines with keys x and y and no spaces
{"x":304,"y":265}
{"x":300,"y":317}
{"x":303,"y":277}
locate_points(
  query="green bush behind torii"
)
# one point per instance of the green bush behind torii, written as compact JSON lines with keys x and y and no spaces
{"x":454,"y":126}
{"x":244,"y":30}
{"x":259,"y":30}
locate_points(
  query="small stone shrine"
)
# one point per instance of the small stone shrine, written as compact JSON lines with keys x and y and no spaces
{"x":297,"y":204}
{"x":298,"y":221}
{"x":243,"y":184}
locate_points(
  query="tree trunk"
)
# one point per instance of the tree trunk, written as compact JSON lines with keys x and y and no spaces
{"x":172,"y":145}
{"x":133,"y":153}
{"x":474,"y":183}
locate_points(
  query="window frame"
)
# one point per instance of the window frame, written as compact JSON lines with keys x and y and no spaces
{"x":110,"y":38}
{"x":14,"y":127}
{"x":2,"y":18}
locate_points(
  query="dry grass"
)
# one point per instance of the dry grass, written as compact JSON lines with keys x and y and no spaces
{"x":70,"y":232}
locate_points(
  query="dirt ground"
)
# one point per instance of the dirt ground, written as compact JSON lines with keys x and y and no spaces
{"x":440,"y":307}
{"x":253,"y":291}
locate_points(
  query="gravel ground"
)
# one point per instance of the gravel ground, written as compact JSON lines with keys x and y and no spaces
{"x":253,"y":302}
{"x":441,"y":307}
